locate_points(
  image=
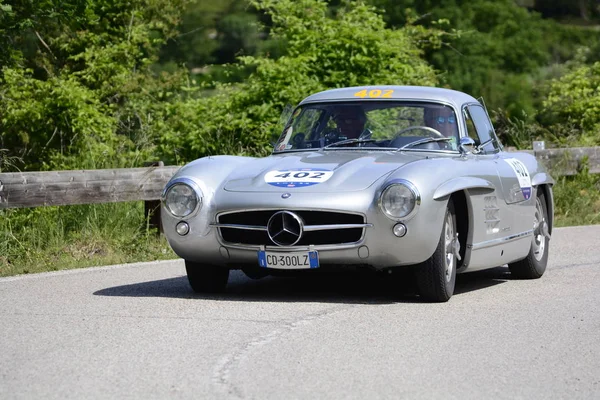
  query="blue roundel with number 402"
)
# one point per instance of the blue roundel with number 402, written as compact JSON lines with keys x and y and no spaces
{"x":298,"y":177}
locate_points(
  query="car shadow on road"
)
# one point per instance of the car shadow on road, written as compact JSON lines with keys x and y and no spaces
{"x":350,"y":288}
{"x":477,"y":280}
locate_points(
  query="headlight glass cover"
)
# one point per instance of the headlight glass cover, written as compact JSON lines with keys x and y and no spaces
{"x":399,"y":200}
{"x":181,"y":200}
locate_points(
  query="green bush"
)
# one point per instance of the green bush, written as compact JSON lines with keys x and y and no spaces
{"x":76,"y":88}
{"x":577,"y":199}
{"x":575,"y":98}
{"x":324,"y":51}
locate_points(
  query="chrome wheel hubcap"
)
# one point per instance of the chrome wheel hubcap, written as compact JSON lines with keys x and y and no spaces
{"x":540,"y":229}
{"x":449,"y":247}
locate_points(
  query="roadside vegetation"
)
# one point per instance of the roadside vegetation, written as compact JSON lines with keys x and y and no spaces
{"x":115,"y":83}
{"x":52,"y":238}
{"x":577,"y":199}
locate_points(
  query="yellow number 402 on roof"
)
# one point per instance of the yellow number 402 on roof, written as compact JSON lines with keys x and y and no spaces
{"x":374,"y":94}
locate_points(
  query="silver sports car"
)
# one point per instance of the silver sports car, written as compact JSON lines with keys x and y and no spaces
{"x":377,"y":177}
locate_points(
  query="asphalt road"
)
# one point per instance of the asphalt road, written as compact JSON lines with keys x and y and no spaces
{"x":138,"y":331}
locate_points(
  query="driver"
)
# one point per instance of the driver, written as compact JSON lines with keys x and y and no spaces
{"x":441,"y":119}
{"x":350,"y":121}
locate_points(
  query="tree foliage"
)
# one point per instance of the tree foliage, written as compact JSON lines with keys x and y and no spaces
{"x":212,"y":32}
{"x":98,"y":83}
{"x":75,"y":84}
{"x":502,"y":51}
{"x":575,"y":99}
{"x":323,"y":50}
{"x":584,"y":9}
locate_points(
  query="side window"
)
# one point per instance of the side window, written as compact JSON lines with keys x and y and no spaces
{"x":472,"y":132}
{"x":480,"y":128}
{"x":306,"y":122}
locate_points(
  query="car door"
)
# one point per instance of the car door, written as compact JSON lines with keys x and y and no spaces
{"x":500,"y":221}
{"x":515,"y":181}
{"x":503,"y":216}
{"x":487,"y":218}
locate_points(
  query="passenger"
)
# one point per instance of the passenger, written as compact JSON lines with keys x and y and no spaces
{"x":442,"y":119}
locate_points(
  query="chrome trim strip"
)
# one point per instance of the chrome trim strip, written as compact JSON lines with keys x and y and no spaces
{"x":307,"y":228}
{"x":323,"y":247}
{"x":236,"y":226}
{"x":310,"y":228}
{"x":429,"y":151}
{"x":495,"y":242}
{"x":293,"y":209}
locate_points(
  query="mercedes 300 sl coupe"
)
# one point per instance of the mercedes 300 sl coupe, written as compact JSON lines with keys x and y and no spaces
{"x":375,"y":177}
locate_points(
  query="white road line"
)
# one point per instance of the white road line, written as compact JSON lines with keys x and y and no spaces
{"x":88,"y":270}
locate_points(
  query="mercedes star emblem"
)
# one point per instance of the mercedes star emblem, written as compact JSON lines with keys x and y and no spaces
{"x":285,"y":228}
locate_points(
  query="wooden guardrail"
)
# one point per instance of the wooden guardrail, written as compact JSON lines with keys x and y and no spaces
{"x":568,"y":161}
{"x":57,"y":188}
{"x":60,"y":188}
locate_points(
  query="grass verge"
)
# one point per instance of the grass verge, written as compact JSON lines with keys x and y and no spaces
{"x":56,"y":238}
{"x":577,"y":199}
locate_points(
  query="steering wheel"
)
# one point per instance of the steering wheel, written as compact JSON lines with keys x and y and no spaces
{"x":298,"y":140}
{"x":434,"y":132}
{"x":333,"y":135}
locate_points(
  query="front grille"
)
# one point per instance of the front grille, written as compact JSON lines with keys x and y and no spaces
{"x":320,"y":237}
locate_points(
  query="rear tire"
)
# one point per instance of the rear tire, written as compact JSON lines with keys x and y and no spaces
{"x":534,"y":265}
{"x":436,"y":277}
{"x":206,"y":278}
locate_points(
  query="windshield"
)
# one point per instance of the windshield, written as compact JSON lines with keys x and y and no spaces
{"x":370,"y":124}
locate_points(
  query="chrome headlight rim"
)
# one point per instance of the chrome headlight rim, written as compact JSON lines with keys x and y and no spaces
{"x":196,"y":189}
{"x":413,"y":189}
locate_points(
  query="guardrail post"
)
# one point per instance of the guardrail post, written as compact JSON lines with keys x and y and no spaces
{"x":539,"y":145}
{"x":152,"y":207}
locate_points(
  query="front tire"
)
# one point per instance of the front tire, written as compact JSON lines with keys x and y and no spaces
{"x":534,"y":265}
{"x":206,"y":278}
{"x":436,"y":277}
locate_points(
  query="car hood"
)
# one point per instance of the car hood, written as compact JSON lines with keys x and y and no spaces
{"x":316,"y":172}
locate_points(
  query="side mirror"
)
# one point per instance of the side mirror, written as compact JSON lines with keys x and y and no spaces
{"x":466,"y":145}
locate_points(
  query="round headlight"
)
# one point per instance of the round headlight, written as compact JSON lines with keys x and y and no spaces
{"x":181,"y":200}
{"x":399,"y":200}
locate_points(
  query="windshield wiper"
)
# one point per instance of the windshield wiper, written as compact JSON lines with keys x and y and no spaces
{"x":425,"y":140}
{"x":348,"y":142}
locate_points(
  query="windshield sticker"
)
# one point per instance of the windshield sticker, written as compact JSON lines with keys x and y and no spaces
{"x":522,"y":175}
{"x":297,"y":177}
{"x":374,"y":94}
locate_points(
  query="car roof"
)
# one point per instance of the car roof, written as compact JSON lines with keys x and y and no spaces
{"x":419,"y":93}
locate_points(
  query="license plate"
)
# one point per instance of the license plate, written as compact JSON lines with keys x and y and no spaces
{"x":295,"y":260}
